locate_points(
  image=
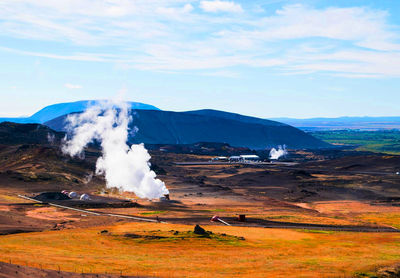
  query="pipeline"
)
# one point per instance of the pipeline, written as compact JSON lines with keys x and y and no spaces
{"x":94,"y":213}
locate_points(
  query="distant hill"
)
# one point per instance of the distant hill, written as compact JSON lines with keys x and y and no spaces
{"x":363,"y":123}
{"x":31,"y":153}
{"x":14,"y":133}
{"x":165,"y":127}
{"x":53,"y":111}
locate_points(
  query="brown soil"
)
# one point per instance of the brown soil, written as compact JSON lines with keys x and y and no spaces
{"x":200,"y":191}
{"x":8,"y":270}
{"x":268,"y":196}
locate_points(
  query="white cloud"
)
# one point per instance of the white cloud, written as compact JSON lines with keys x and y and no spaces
{"x":220,"y":6}
{"x":187,"y":8}
{"x":72,"y":86}
{"x":171,"y":11}
{"x":368,"y":27}
{"x":360,"y":64}
{"x":174,"y":36}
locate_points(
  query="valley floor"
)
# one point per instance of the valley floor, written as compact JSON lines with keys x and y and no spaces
{"x":45,"y":237}
{"x":166,"y":250}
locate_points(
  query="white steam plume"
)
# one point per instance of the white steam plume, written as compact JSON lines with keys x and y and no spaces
{"x":277,"y":153}
{"x":125,"y":167}
{"x":88,"y":178}
{"x":51,"y":138}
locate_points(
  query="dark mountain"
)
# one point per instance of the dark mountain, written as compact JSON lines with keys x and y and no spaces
{"x":14,"y":133}
{"x":236,"y":117}
{"x":53,"y":111}
{"x":164,"y":127}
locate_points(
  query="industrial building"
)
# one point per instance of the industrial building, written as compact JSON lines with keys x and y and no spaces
{"x":250,"y":157}
{"x":220,"y":158}
{"x":244,"y":158}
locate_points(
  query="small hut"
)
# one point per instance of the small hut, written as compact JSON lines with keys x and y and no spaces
{"x":84,"y":197}
{"x":73,"y":195}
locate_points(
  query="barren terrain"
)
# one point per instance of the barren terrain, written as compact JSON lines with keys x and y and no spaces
{"x":295,"y":217}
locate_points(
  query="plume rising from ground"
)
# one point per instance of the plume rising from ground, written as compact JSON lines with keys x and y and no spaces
{"x":125,"y":167}
{"x":277,"y":153}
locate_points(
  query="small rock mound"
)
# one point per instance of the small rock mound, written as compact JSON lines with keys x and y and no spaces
{"x":389,"y":272}
{"x":199,"y":230}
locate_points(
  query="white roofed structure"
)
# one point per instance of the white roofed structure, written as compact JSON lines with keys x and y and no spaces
{"x":84,"y":197}
{"x":234,"y":158}
{"x":73,"y":195}
{"x":252,"y":157}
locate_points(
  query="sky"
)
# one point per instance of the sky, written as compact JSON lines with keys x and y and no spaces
{"x":268,"y":58}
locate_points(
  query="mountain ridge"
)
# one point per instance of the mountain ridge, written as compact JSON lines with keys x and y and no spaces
{"x":207,"y":125}
{"x":55,"y":110}
{"x":168,"y":127}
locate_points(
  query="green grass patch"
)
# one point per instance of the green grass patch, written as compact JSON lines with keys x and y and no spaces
{"x":153,"y":212}
{"x":384,"y":141}
{"x":177,"y":236}
{"x":362,"y":274}
{"x":217,"y":210}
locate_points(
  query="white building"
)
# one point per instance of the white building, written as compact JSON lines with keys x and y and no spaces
{"x":234,"y":158}
{"x":220,"y":158}
{"x":73,"y":195}
{"x":250,"y":157}
{"x":84,"y":197}
{"x":244,"y":158}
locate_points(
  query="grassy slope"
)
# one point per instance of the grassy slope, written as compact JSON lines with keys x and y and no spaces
{"x":263,"y":253}
{"x":387,"y":141}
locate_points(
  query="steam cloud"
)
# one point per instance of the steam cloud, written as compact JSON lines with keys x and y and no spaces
{"x":51,"y":138}
{"x":88,"y":178}
{"x":125,"y":167}
{"x":277,"y":153}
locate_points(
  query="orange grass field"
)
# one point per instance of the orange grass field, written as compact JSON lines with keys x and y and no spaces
{"x":263,"y":253}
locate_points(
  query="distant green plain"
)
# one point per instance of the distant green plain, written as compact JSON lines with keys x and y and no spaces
{"x":383,"y":141}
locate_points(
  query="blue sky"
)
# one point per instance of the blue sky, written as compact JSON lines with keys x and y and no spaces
{"x":263,"y":58}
